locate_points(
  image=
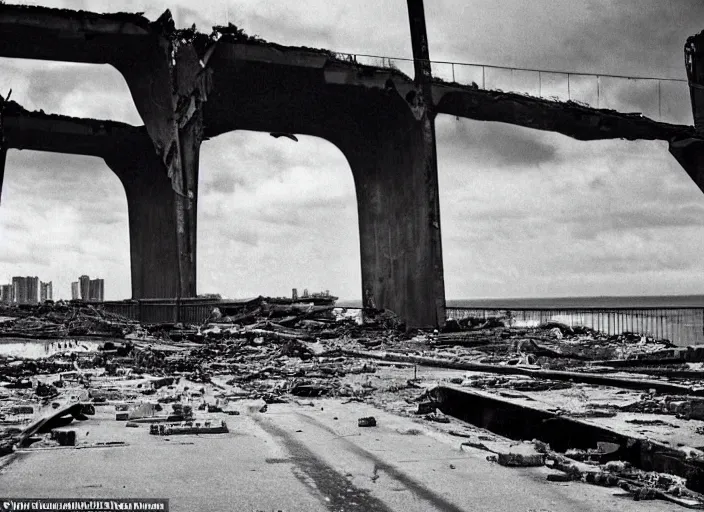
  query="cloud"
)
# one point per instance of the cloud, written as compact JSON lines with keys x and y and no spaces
{"x":223,"y":182}
{"x":496,"y":143}
{"x":95,"y":91}
{"x":670,"y":216}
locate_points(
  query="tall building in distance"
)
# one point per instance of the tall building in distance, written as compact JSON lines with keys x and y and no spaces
{"x":96,"y":290}
{"x":6,"y":295}
{"x":84,"y":284}
{"x":46,"y":291}
{"x":88,"y":289}
{"x":25,"y":290}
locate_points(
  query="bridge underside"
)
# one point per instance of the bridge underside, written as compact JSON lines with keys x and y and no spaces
{"x":188,"y":87}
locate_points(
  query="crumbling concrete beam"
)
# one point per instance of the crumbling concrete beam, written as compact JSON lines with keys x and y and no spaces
{"x":568,"y":118}
{"x":139,"y":48}
{"x":33,"y":32}
{"x":23,"y":129}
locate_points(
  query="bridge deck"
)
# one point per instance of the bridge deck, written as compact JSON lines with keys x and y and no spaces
{"x":79,"y":36}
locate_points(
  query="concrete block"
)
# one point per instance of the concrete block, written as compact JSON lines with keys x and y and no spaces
{"x":523,"y":454}
{"x":64,"y":437}
{"x":677,"y":407}
{"x":694,"y":353}
{"x":697,"y":409}
{"x":21,"y":409}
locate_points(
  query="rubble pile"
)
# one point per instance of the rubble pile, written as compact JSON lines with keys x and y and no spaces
{"x":270,"y":353}
{"x":684,"y":407}
{"x":62,"y":320}
{"x":551,"y":345}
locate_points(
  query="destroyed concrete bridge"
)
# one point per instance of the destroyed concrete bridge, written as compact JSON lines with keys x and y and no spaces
{"x":189,"y":87}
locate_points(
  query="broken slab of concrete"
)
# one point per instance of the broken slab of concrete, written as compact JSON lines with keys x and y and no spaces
{"x":522,"y":454}
{"x":518,"y":421}
{"x":56,"y":418}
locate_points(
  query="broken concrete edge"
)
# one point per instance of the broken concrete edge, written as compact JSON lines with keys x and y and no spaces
{"x":10,"y":108}
{"x":582,"y":122}
{"x":576,"y":105}
{"x":165,"y":26}
{"x":131,"y":17}
{"x":640,"y":451}
{"x":685,"y":133}
{"x":204,"y":44}
{"x":77,"y":410}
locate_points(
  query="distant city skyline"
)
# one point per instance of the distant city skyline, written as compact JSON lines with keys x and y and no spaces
{"x":88,"y":289}
{"x":46,"y":291}
{"x":26,"y":290}
{"x":30,"y":290}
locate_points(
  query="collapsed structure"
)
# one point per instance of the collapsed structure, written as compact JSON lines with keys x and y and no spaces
{"x":622,"y":410}
{"x":188,"y":87}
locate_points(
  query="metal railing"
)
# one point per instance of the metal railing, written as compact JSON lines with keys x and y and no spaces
{"x":681,"y":325}
{"x":164,"y":311}
{"x":660,"y":98}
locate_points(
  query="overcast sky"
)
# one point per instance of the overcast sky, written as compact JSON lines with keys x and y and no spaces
{"x":524,"y":213}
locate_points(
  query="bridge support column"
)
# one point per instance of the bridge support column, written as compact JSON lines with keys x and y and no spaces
{"x":169,"y":85}
{"x":396,"y":181}
{"x":690,"y":152}
{"x":158,"y":266}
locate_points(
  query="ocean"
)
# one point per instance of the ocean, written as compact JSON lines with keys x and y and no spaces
{"x":633,"y":302}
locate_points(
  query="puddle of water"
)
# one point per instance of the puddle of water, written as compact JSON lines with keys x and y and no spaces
{"x":37,"y":349}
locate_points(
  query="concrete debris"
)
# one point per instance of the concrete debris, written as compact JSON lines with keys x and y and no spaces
{"x":638,"y":483}
{"x":437,"y":416}
{"x":61,"y":320}
{"x":176,"y":379}
{"x":524,"y":455}
{"x":684,"y":407}
{"x":189,"y":427}
{"x":369,"y":421}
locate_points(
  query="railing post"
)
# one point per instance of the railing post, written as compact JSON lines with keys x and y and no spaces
{"x":598,"y":92}
{"x":659,"y":103}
